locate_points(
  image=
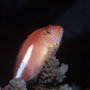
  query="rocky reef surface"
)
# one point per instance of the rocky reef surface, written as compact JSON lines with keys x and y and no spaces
{"x":50,"y":78}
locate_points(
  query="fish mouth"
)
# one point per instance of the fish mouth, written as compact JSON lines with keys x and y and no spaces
{"x":59,"y":30}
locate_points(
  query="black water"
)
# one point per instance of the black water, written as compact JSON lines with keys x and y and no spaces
{"x":18,"y":18}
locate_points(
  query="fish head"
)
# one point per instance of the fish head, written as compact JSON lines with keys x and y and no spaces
{"x":52,"y":35}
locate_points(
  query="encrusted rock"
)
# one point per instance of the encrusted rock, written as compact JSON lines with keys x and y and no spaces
{"x":51,"y":75}
{"x":17,"y":84}
{"x":65,"y":87}
{"x":50,"y":78}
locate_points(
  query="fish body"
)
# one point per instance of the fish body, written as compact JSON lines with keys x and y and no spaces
{"x":39,"y":46}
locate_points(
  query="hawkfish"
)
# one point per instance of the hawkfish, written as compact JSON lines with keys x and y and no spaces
{"x":38,"y":47}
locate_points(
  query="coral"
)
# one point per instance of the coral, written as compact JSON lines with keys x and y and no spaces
{"x":62,"y":87}
{"x":52,"y":72}
{"x":50,"y":78}
{"x":52,"y":75}
{"x":16,"y":84}
{"x":65,"y":87}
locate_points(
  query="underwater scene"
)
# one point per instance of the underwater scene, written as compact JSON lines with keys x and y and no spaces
{"x":45,"y":45}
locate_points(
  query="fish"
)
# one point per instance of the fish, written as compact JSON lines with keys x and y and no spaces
{"x":38,"y":47}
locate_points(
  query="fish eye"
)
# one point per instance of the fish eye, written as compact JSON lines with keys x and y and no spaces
{"x":49,"y":31}
{"x":46,"y":33}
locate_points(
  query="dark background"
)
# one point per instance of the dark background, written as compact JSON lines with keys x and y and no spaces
{"x":18,"y":18}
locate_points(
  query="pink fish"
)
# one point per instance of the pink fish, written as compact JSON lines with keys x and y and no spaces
{"x":39,"y":46}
